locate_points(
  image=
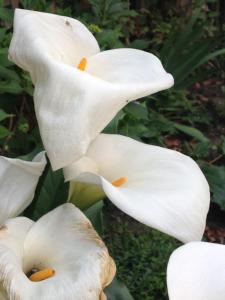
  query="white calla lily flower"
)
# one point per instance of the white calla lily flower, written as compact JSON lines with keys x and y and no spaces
{"x":196,"y":271}
{"x":78,"y":89}
{"x":159,"y":187}
{"x":59,"y":257}
{"x":18,"y":181}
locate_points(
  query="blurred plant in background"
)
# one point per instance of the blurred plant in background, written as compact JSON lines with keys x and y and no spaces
{"x":189,"y":38}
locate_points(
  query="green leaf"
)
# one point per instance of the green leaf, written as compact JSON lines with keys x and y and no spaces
{"x":112,"y":127}
{"x":50,"y":193}
{"x":201,"y":150}
{"x":179,"y":40}
{"x":4,"y":132}
{"x":6,"y":14}
{"x":216,"y":178}
{"x":2,"y":34}
{"x":109,"y":38}
{"x":4,"y":115}
{"x":11,"y":87}
{"x":191,"y":131}
{"x":4,"y":62}
{"x":211,"y":56}
{"x":194,"y":50}
{"x":94,"y":214}
{"x":32,"y":154}
{"x":8,"y":74}
{"x":191,"y":61}
{"x":118,"y":291}
{"x":137,"y":110}
{"x":139,"y":44}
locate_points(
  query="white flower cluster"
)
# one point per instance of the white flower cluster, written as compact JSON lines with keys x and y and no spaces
{"x":78,"y":90}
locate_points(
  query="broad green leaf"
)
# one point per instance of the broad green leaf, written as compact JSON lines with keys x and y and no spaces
{"x":6,"y":14}
{"x":135,"y":131}
{"x":11,"y":87}
{"x":118,"y":291}
{"x":4,"y":115}
{"x":112,"y":127}
{"x":109,"y":38}
{"x":216,"y":178}
{"x":137,"y":110}
{"x":94,"y":214}
{"x":191,"y":131}
{"x":4,"y":62}
{"x":6,"y":73}
{"x":32,"y":154}
{"x":2,"y":33}
{"x":50,"y":193}
{"x":139,"y":44}
{"x":4,"y":132}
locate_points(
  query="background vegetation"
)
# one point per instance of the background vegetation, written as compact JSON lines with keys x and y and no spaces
{"x":189,"y":38}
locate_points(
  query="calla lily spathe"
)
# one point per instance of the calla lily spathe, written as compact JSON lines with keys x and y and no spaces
{"x":78,"y":89}
{"x":18,"y":181}
{"x":196,"y":271}
{"x":159,"y":187}
{"x":64,"y":242}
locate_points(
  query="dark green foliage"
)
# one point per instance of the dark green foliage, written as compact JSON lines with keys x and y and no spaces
{"x":51,"y":194}
{"x":4,"y":132}
{"x":94,"y":214}
{"x":141,"y":255}
{"x":185,"y":51}
{"x":118,"y":291}
{"x":216,"y":178}
{"x":51,"y":191}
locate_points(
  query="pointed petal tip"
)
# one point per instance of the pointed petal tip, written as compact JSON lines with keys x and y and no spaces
{"x":173,"y":194}
{"x":40,"y":157}
{"x":170,"y":80}
{"x":19,"y":179}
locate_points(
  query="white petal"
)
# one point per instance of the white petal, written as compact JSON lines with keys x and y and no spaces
{"x":39,"y":37}
{"x":83,"y":165}
{"x":12,"y":235}
{"x":46,"y":45}
{"x":18,"y":181}
{"x":137,"y":73}
{"x":196,"y":271}
{"x":73,"y":106}
{"x":165,"y":189}
{"x":65,"y":240}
